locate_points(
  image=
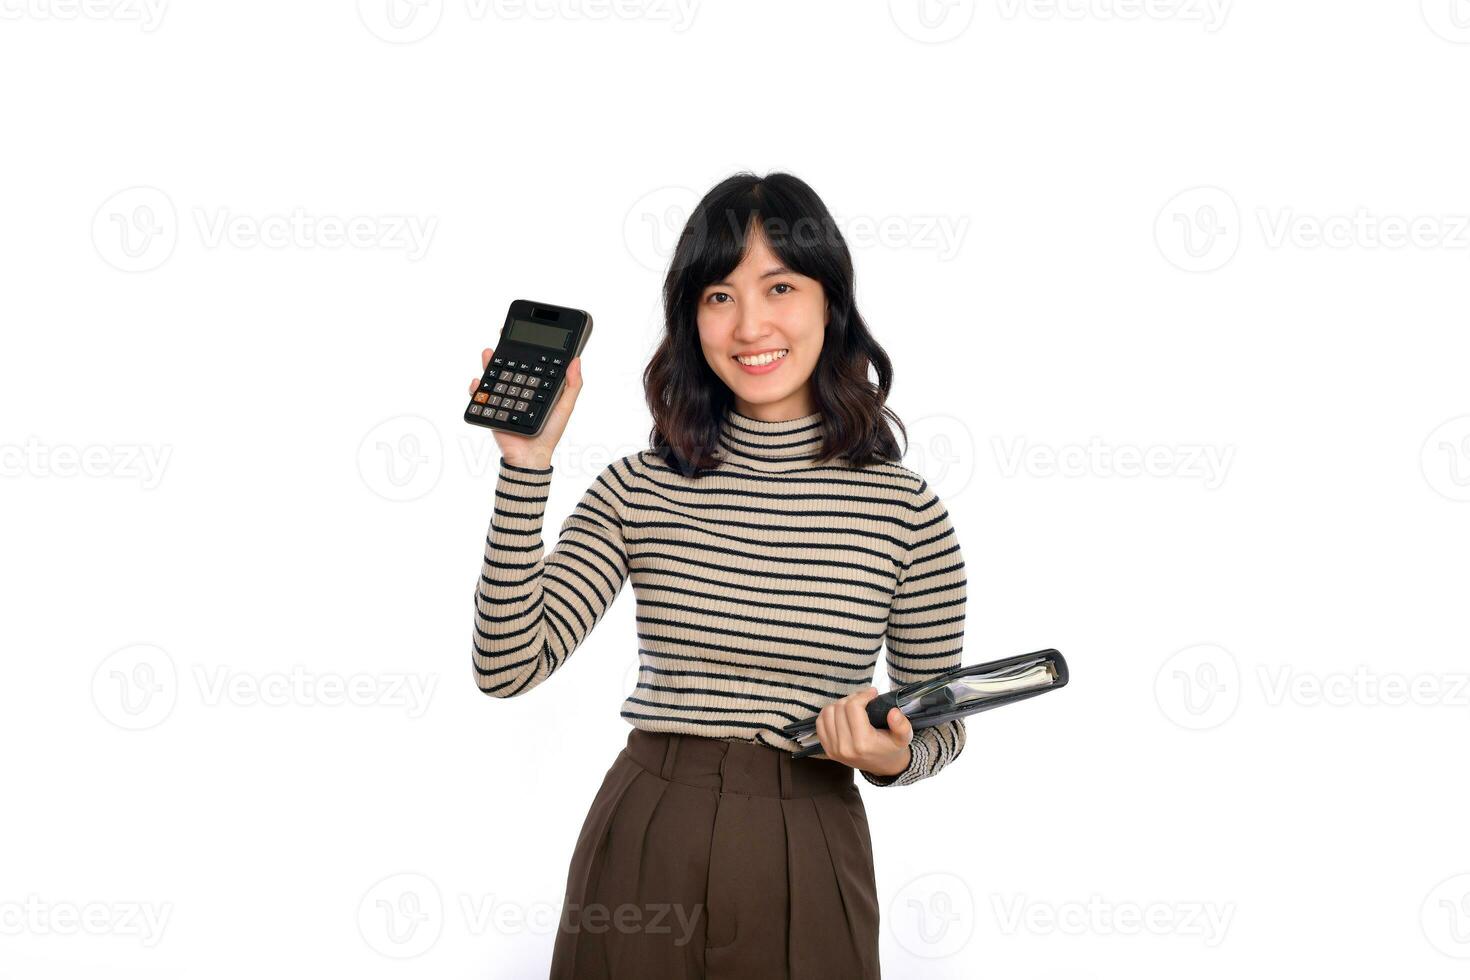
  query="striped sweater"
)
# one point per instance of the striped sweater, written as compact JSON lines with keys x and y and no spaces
{"x":766,"y":586}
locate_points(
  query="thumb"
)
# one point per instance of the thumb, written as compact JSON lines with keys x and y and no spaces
{"x":574,"y":377}
{"x":572,"y":387}
{"x":898,"y":724}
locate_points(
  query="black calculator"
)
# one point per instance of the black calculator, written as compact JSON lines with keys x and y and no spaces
{"x":528,"y":369}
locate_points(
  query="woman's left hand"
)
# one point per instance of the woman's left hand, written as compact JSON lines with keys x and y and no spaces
{"x":848,"y":737}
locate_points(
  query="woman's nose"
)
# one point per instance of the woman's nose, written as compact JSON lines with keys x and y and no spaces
{"x":751,"y":324}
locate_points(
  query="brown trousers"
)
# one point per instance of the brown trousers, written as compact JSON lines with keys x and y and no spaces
{"x":720,"y":859}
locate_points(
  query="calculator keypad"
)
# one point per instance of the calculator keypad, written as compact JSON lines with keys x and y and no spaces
{"x":516,"y":391}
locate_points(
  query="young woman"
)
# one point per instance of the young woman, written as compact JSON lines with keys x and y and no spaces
{"x":774,"y":542}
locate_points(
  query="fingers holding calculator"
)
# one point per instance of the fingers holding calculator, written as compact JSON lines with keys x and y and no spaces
{"x":530,"y":380}
{"x":535,"y":451}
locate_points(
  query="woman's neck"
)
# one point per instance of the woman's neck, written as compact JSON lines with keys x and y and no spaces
{"x":798,"y":404}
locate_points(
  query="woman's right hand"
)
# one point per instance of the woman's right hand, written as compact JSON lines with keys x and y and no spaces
{"x":534,"y":452}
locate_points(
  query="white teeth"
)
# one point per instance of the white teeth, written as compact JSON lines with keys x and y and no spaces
{"x":760,"y":359}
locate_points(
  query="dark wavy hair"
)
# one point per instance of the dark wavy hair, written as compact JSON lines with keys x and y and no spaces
{"x":688,"y":400}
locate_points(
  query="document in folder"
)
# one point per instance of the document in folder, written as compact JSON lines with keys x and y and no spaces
{"x":954,"y":694}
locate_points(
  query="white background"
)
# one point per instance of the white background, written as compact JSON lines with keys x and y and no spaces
{"x":1225,"y":239}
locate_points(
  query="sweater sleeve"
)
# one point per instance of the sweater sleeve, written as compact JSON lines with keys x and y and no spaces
{"x":926,"y":630}
{"x":532,"y":609}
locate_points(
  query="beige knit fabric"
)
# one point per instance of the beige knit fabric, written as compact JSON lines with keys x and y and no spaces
{"x":765,"y":587}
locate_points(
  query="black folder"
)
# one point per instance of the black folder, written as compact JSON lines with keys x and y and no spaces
{"x":937,"y":701}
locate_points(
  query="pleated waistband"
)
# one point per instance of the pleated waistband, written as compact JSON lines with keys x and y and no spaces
{"x":732,"y":766}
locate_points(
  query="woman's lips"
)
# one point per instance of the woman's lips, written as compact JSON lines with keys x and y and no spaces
{"x":762,"y":368}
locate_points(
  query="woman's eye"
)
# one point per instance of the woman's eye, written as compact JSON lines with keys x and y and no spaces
{"x":785,"y":287}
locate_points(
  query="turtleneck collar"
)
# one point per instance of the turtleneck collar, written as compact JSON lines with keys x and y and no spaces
{"x":785,"y":441}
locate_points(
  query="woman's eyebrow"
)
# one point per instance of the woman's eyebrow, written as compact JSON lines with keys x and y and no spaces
{"x":779,"y":270}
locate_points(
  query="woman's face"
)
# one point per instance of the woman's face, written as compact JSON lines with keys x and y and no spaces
{"x":762,"y":309}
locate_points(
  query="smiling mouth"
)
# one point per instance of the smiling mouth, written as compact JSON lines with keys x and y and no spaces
{"x":756,"y":360}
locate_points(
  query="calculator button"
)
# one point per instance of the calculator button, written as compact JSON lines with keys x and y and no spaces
{"x":474,"y":409}
{"x":518,"y":379}
{"x":521,"y":406}
{"x":538,"y":369}
{"x":556,"y":360}
{"x":494,"y":399}
{"x":533,"y":382}
{"x":551,"y":372}
{"x":515,"y":418}
{"x":500,"y":387}
{"x":506,"y":375}
{"x":514,"y":391}
{"x":540,"y":396}
{"x":481,"y":397}
{"x":502,"y":415}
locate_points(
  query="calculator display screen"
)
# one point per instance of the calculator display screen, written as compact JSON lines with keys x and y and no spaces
{"x":539,"y":334}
